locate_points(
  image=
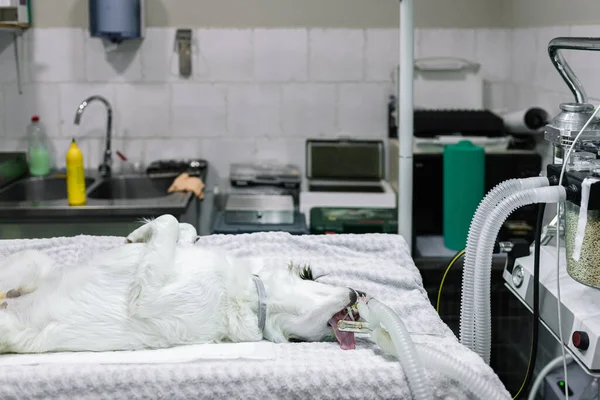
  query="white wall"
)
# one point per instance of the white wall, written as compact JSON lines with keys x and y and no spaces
{"x":532,"y":13}
{"x":255,"y":93}
{"x":289,"y":13}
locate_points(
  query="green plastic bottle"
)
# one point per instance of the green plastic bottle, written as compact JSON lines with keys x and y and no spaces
{"x":464,"y":188}
{"x":39,"y":153}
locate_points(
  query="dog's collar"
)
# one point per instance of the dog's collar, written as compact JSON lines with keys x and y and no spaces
{"x":262,"y":306}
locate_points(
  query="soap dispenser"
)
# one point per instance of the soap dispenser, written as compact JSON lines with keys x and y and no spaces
{"x":39,"y":149}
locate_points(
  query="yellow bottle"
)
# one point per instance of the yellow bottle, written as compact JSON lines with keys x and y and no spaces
{"x":75,"y":176}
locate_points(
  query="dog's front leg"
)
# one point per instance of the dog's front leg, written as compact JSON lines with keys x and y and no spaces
{"x":187,"y":234}
{"x":157,"y":264}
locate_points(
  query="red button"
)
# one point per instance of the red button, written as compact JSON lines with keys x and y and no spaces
{"x":581,"y":340}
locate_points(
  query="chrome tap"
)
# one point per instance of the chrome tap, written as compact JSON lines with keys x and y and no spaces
{"x":563,"y":129}
{"x":105,"y":167}
{"x":563,"y":68}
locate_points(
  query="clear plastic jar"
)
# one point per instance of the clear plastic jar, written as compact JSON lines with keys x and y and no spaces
{"x":581,"y":161}
{"x":587,"y":269}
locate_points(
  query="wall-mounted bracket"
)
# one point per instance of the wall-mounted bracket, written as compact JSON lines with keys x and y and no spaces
{"x":183,"y":37}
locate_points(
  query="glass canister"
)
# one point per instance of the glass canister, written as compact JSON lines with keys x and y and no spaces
{"x":581,"y":161}
{"x":587,"y":269}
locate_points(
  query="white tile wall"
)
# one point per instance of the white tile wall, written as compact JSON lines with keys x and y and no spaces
{"x":446,"y":43}
{"x":254,"y":110}
{"x":281,"y":57}
{"x":336,"y":55}
{"x":309,"y":110}
{"x":145,"y":110}
{"x":523,"y":62}
{"x":8,"y":68}
{"x":545,"y":75}
{"x":105,"y":62}
{"x":224,"y":55}
{"x":362,"y":109}
{"x":39,"y":99}
{"x":381,"y":54}
{"x":254,"y":93}
{"x":492,"y":50}
{"x":57,"y":55}
{"x":197,"y":110}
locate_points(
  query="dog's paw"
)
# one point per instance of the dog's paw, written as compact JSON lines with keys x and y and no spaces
{"x":140,"y":235}
{"x":187,"y":233}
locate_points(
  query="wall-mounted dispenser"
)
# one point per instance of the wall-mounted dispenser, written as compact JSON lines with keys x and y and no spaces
{"x":117,"y":20}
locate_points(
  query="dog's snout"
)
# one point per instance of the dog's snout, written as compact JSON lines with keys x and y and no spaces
{"x":361,"y":294}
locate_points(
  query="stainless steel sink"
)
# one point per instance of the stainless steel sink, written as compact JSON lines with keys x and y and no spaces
{"x":131,"y":188}
{"x":37,"y":189}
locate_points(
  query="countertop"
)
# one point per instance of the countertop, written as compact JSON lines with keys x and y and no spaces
{"x":171,"y":203}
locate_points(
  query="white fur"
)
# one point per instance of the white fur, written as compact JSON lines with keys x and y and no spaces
{"x":156,"y":291}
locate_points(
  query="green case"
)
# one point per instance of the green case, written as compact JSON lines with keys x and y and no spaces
{"x":329,"y":220}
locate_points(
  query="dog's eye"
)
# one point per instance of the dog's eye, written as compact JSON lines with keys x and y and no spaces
{"x":306,"y":273}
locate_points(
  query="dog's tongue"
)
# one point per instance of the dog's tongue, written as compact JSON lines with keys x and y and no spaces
{"x":346,"y":339}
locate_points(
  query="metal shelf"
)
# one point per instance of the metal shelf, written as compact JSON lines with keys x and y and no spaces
{"x":13,"y":27}
{"x":16,"y":29}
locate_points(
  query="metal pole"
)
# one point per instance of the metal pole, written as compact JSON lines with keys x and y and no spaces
{"x":405,"y":121}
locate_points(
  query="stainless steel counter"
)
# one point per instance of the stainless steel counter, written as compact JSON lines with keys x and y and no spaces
{"x":38,"y":208}
{"x":140,"y":196}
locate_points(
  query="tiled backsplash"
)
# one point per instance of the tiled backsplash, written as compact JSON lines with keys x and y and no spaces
{"x":534,"y":80}
{"x":253,"y":94}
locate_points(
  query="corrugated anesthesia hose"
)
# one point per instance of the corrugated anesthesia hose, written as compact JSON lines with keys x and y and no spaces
{"x":447,"y":366}
{"x":406,"y":354}
{"x":460,"y":372}
{"x":483,"y":259}
{"x":490,"y":201}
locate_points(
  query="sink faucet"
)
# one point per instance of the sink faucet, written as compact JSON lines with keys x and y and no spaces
{"x":104,"y":168}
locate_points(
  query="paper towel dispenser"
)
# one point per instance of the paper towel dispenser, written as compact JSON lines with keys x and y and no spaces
{"x":117,"y":20}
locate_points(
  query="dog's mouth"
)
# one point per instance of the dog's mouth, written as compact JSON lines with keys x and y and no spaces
{"x":345,"y":338}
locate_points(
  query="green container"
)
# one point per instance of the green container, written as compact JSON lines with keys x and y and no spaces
{"x":329,"y":220}
{"x":464,"y":179}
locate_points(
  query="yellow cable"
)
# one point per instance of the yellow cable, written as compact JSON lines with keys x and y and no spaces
{"x":531,"y":350}
{"x":437,"y":308}
{"x":450,"y":264}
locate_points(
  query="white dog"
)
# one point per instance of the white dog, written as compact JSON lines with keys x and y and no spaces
{"x":159,"y":291}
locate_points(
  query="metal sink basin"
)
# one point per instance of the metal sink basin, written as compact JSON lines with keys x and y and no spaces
{"x":37,"y":189}
{"x":131,"y":188}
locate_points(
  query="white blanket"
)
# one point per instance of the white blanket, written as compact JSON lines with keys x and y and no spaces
{"x":379,"y":265}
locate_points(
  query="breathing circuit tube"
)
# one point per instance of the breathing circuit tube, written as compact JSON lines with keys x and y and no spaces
{"x":401,"y":340}
{"x":487,"y":205}
{"x":542,"y":374}
{"x":447,"y":366}
{"x":483,"y":259}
